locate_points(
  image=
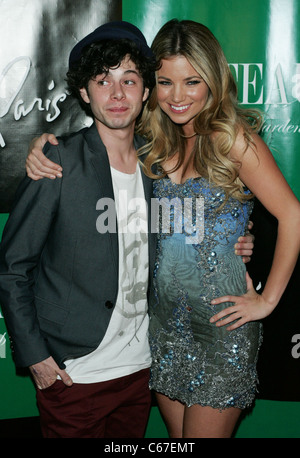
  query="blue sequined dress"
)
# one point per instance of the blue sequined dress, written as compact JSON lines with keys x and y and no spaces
{"x":194,"y":361}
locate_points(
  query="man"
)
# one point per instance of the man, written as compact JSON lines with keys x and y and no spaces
{"x":74,"y":254}
{"x":74,"y":301}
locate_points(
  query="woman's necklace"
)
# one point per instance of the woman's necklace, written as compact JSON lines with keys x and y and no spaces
{"x":188,"y":136}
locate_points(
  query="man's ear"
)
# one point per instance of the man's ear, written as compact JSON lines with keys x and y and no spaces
{"x":146,"y":94}
{"x":84,"y":95}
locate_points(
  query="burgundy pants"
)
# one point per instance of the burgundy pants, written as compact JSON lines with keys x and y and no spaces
{"x":114,"y":409}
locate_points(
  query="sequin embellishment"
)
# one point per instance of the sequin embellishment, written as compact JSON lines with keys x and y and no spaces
{"x":193,"y":360}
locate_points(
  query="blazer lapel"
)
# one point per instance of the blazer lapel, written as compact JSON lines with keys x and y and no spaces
{"x":101,"y":166}
{"x":100,"y":161}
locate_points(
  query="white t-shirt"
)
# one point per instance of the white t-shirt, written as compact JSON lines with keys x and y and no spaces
{"x":124,"y":348}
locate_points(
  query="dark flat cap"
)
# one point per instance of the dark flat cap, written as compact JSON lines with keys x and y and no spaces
{"x":111,"y":30}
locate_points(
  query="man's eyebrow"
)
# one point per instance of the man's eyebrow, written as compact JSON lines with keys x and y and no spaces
{"x":126,"y":72}
{"x":132,"y":71}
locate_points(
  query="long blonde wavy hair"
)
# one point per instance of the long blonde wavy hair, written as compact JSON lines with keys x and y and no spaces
{"x":221,"y":114}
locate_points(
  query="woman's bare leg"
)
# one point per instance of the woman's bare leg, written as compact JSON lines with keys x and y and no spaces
{"x":196,"y":421}
{"x":206,"y":422}
{"x":172,"y":413}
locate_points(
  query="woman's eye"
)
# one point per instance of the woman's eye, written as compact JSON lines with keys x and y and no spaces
{"x":164,"y":83}
{"x":194,"y":82}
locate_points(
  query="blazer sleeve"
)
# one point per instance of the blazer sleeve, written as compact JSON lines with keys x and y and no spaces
{"x":23,"y":239}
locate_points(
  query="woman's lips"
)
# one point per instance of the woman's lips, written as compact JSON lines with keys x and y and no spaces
{"x":179,"y":108}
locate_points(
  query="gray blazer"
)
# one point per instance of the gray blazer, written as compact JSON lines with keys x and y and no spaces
{"x":58,"y":274}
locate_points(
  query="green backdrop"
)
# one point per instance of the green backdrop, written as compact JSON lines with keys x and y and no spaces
{"x":261,"y":41}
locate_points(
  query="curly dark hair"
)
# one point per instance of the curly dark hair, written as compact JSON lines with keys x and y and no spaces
{"x":98,"y":58}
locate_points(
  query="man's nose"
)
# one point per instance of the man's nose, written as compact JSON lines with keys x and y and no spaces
{"x":117,"y":91}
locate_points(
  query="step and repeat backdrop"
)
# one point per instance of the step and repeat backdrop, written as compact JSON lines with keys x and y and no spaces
{"x":262,"y":45}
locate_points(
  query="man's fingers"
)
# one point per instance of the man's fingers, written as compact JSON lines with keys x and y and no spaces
{"x":65,"y":378}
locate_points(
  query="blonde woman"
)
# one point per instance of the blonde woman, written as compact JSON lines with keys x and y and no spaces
{"x":204,"y":328}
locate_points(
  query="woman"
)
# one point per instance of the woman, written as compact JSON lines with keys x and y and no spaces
{"x":204,"y":343}
{"x":201,"y":145}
